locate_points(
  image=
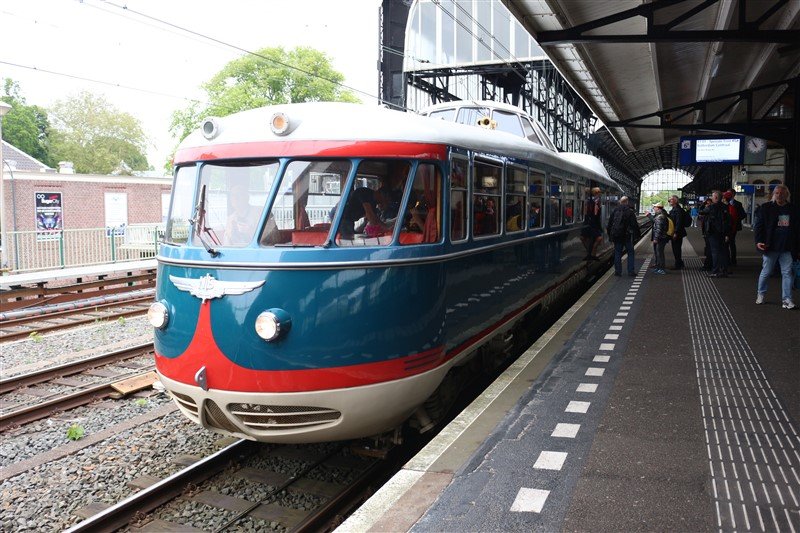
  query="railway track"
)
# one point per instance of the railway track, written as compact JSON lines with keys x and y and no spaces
{"x":216,"y":482}
{"x":31,"y":396}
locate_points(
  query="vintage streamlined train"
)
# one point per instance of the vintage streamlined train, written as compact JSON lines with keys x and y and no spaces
{"x":327,"y":268}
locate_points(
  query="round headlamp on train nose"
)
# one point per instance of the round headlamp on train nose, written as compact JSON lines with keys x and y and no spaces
{"x":279,"y":124}
{"x":158,"y":315}
{"x":273,"y":324}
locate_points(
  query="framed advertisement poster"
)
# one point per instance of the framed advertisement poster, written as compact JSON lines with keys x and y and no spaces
{"x":49,"y":215}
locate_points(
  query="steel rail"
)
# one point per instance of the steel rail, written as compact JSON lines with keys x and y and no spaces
{"x":55,"y":327}
{"x":63,"y":402}
{"x":72,"y":367}
{"x":144,"y":501}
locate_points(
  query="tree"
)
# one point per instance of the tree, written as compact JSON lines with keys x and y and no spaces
{"x":95,"y":136}
{"x":27,"y":127}
{"x":265,"y":78}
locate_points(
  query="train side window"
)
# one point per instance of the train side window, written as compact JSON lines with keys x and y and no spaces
{"x":536,"y":195}
{"x":508,"y":122}
{"x":569,"y":202}
{"x":515,"y":199}
{"x":582,"y":193}
{"x":307,"y":196}
{"x":554,"y":209}
{"x":371,"y":209}
{"x":486,"y":199}
{"x":422,"y":221}
{"x":459,"y":174}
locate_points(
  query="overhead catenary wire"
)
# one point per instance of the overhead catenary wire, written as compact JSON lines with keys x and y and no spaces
{"x":235,"y":47}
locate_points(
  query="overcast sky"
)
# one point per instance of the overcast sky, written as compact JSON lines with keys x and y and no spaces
{"x":101,"y":41}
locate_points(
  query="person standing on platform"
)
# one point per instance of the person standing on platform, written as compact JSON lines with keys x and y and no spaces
{"x":694,"y":213}
{"x":737,"y":212}
{"x":660,"y":237}
{"x":701,"y":221}
{"x":592,"y":232}
{"x":777,"y":234}
{"x":676,"y":214}
{"x":717,"y":226}
{"x":623,"y":230}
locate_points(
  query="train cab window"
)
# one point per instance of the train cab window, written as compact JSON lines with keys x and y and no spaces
{"x":443,"y":114}
{"x":568,"y":202}
{"x":422,"y":221}
{"x":459,"y":174}
{"x":183,"y":204}
{"x":508,"y":122}
{"x":486,"y":199}
{"x":307,"y":194}
{"x":370,"y":211}
{"x":536,"y":195}
{"x":516,"y":179}
{"x":470,"y":115}
{"x":231,"y":201}
{"x":554,"y":209}
{"x":530,"y":133}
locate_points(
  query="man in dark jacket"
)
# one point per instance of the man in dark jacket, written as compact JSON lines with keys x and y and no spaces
{"x":660,"y":237}
{"x":738,"y":215}
{"x":622,"y":229}
{"x":717,"y":226}
{"x":676,"y":214}
{"x":777,"y":233}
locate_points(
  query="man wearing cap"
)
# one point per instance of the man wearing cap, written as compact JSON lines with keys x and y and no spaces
{"x":660,"y":237}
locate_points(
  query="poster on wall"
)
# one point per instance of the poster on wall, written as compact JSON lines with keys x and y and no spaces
{"x":49,"y":215}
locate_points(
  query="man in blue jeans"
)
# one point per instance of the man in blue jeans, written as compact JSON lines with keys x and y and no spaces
{"x":777,"y":233}
{"x":622,"y":230}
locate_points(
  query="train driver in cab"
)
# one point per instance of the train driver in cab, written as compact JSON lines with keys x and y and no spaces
{"x":361,"y":203}
{"x":243,"y":218}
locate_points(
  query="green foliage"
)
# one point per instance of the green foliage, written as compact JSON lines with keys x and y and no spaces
{"x":95,"y":136}
{"x":121,"y":321}
{"x":35,"y":336}
{"x":27,"y":127}
{"x":653,"y":198}
{"x":265,"y":78}
{"x":75,"y":432}
{"x":141,"y":402}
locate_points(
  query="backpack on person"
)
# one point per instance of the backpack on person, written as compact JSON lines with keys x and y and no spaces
{"x":670,"y":227}
{"x":619,"y":226}
{"x":686,"y":216}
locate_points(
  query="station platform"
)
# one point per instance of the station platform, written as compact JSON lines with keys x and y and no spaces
{"x":72,"y":274}
{"x":656,"y":403}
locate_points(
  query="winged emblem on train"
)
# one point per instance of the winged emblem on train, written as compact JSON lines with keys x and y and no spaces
{"x":208,"y":288}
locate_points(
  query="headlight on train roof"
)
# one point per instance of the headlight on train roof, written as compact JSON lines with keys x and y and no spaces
{"x":279,"y":123}
{"x":272,"y":324}
{"x":210,"y":127}
{"x":158,"y":315}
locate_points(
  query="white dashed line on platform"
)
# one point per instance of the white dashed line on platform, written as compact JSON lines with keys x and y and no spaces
{"x":607,"y":346}
{"x":565,"y":431}
{"x":550,"y":460}
{"x":529,"y":500}
{"x":601,"y":359}
{"x":587,"y":387}
{"x":577,"y":407}
{"x":594,"y":371}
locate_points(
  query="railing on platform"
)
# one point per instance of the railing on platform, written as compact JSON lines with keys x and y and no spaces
{"x":37,"y":250}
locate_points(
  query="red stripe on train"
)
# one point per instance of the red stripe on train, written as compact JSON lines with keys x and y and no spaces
{"x":312,"y":149}
{"x":223,"y":374}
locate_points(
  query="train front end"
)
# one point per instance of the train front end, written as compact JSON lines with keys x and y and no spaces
{"x":275,"y":318}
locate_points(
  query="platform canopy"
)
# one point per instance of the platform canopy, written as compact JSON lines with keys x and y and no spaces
{"x":652,"y":71}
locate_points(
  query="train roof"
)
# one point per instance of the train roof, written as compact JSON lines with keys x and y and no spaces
{"x":336,"y":121}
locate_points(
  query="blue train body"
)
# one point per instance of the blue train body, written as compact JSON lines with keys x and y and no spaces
{"x":297,"y":330}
